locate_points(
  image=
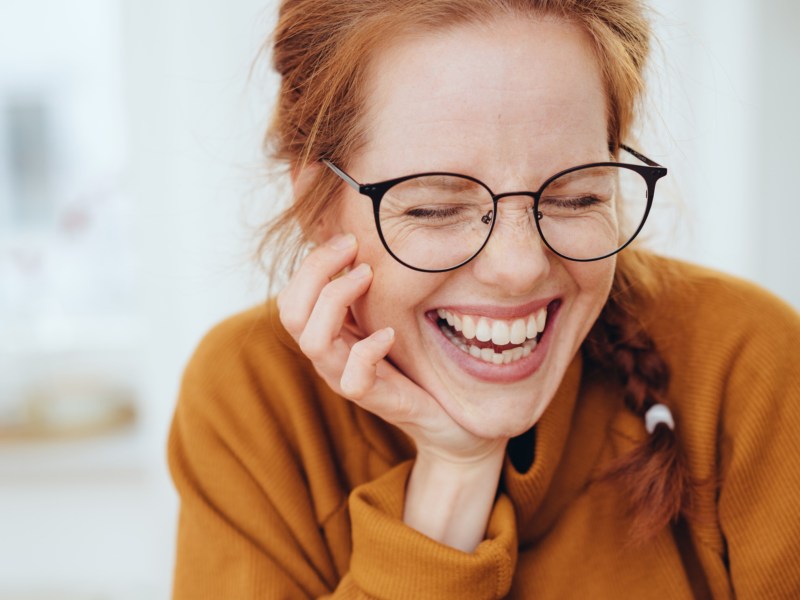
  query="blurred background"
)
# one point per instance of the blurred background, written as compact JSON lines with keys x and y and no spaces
{"x":131,"y":187}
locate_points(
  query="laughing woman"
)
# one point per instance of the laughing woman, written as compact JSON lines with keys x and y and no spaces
{"x":471,"y":387}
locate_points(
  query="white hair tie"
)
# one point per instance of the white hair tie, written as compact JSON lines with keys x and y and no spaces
{"x":656,"y":414}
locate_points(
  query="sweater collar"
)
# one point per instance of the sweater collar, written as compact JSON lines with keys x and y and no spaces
{"x":567,"y":443}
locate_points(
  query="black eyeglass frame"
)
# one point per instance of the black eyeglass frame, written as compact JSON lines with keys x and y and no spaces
{"x":651,"y":172}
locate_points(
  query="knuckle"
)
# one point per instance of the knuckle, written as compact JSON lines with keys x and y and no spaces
{"x":357,"y":379}
{"x":286,"y":315}
{"x":360,"y":353}
{"x":280,"y":302}
{"x":407,"y":409}
{"x":292,"y":322}
{"x":310,"y":345}
{"x":333,"y":291}
{"x":329,"y":293}
{"x":348,"y":388}
{"x":319,"y":260}
{"x":351,"y":386}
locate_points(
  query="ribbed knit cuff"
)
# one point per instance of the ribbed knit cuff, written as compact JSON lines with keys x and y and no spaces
{"x":392,"y":560}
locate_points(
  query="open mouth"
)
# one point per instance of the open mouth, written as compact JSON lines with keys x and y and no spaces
{"x":495,"y":341}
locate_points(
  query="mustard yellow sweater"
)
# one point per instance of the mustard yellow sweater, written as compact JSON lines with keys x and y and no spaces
{"x":289,"y":491}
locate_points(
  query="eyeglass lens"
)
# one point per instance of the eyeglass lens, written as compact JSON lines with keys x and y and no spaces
{"x":435,"y":222}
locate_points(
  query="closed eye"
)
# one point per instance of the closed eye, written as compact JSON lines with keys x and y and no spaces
{"x":570,"y":202}
{"x":438,"y":212}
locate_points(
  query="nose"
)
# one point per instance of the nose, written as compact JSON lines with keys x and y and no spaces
{"x":515,"y":259}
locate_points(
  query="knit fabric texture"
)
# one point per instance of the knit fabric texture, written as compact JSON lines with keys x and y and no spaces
{"x":288,"y":490}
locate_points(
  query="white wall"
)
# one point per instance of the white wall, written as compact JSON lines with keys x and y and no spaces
{"x":777,"y":196}
{"x":723,"y":90}
{"x":96,"y":517}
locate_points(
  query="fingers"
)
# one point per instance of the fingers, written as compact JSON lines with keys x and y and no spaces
{"x":296,"y":301}
{"x":324,"y":325}
{"x":360,"y":371}
{"x":314,"y":307}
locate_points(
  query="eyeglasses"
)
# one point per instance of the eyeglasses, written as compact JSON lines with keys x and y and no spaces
{"x":435,"y":222}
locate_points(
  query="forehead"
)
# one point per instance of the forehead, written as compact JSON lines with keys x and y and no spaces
{"x":502,"y":99}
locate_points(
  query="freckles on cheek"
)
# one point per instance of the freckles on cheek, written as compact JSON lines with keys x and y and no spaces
{"x":397,"y":297}
{"x":595,"y":284}
{"x":381,"y":302}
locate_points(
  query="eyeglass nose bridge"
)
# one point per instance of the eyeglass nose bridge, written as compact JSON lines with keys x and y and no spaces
{"x":532,"y":195}
{"x":491,"y":217}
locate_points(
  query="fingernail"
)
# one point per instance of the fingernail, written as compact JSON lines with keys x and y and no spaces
{"x":343,"y":241}
{"x":360,"y":271}
{"x":384,"y":335}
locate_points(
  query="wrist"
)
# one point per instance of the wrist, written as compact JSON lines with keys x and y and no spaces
{"x":449,"y":499}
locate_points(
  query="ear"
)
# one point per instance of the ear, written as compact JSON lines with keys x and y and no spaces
{"x":303,"y":178}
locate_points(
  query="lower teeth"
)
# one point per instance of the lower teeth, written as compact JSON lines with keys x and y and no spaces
{"x":487,"y":354}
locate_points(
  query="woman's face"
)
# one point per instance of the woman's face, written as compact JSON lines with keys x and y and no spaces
{"x":510,"y":102}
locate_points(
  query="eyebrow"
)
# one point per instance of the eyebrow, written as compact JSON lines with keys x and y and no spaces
{"x":599,"y":173}
{"x":453,"y":182}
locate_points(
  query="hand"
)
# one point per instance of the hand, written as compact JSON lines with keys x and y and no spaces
{"x":315,"y":310}
{"x":452,"y":485}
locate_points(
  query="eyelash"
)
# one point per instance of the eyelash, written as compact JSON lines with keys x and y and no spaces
{"x":581,"y":202}
{"x":427,"y":213}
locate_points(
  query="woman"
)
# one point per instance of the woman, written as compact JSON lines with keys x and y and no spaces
{"x":469,"y":388}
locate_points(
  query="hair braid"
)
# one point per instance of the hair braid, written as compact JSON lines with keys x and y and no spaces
{"x":654,"y":475}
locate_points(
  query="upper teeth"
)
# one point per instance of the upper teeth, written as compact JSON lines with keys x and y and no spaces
{"x":499,"y":331}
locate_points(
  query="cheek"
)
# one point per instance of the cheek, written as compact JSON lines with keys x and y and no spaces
{"x":594,"y":281}
{"x":397,"y":297}
{"x":393,"y":295}
{"x":387,"y":303}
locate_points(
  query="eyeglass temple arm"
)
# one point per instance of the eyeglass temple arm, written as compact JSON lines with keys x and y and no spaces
{"x":347,"y":179}
{"x":357,"y":186}
{"x":641,"y":157}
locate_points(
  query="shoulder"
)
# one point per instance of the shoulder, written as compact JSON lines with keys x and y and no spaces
{"x":242,"y":341}
{"x":696,"y":309}
{"x":732,"y":350}
{"x":706,"y":289}
{"x":248,"y":392}
{"x":247,"y":370}
{"x":717,"y":329}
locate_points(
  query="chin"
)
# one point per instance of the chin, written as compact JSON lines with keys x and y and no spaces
{"x":494,"y":383}
{"x":500,"y":415}
{"x":491,"y":429}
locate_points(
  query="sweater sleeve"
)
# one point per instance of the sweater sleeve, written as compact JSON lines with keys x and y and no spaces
{"x":392,"y":560}
{"x":262,"y":517}
{"x":244,"y":529}
{"x":759,"y":498}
